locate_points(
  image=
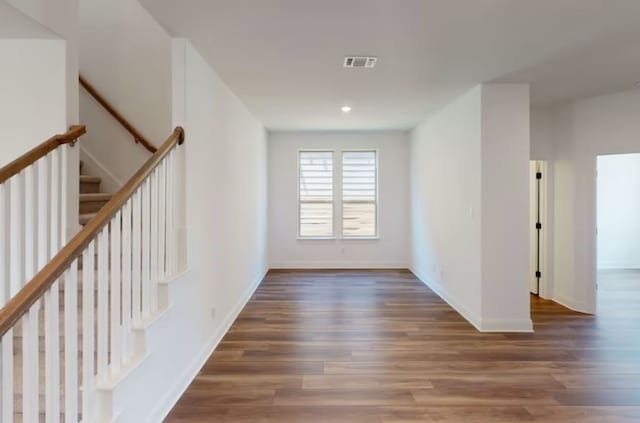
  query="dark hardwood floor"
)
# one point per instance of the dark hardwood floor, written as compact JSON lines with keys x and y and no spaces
{"x":379,"y":346}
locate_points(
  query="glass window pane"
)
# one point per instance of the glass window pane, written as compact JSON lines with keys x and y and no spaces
{"x":316,"y":193}
{"x":359,"y":193}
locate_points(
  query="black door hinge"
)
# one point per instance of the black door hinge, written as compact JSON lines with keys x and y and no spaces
{"x":538,"y":175}
{"x":538,"y":274}
{"x":538,"y":225}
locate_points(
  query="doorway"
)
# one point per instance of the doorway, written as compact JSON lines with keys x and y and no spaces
{"x":537,"y":221}
{"x":618,"y":233}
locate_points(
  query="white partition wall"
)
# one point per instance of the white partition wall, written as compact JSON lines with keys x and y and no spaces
{"x":470,"y":205}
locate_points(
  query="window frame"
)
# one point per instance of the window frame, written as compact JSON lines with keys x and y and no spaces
{"x":377,"y":192}
{"x":333,"y":199}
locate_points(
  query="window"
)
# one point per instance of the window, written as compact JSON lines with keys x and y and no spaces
{"x":315,"y":194}
{"x":359,"y":194}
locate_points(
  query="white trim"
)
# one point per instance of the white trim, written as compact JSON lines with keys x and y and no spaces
{"x":482,"y":325}
{"x":501,"y":325}
{"x":174,"y":393}
{"x":613,"y":265}
{"x":320,"y":264}
{"x":571,"y":304}
{"x":546,"y":281}
{"x":312,"y":238}
{"x":179,"y":275}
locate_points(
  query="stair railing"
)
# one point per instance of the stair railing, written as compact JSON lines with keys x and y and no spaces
{"x":32,"y":230}
{"x":116,"y":263}
{"x":138,"y":138}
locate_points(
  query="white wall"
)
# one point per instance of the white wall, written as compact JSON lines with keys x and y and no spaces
{"x":225,"y":157}
{"x":61,"y":18}
{"x":126,"y":55}
{"x":618,"y":211}
{"x":446,"y":203}
{"x":32,"y":83}
{"x":505,"y":207}
{"x":541,"y":134}
{"x":390,"y":250}
{"x":581,"y":131}
{"x":469,"y":205}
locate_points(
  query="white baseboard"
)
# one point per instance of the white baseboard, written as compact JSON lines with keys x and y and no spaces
{"x":482,"y":325}
{"x":503,"y":325}
{"x":572,"y":304}
{"x":347,"y":264}
{"x":456,"y":305}
{"x":618,"y":266}
{"x":173,"y":395}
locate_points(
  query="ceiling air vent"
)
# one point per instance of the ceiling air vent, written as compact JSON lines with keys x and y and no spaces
{"x":360,"y":62}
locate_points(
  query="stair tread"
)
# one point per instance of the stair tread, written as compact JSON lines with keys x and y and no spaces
{"x":97,"y":196}
{"x":86,"y":217}
{"x":89,"y":178}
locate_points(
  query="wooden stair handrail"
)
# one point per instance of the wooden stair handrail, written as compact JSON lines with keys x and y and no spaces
{"x":36,"y":153}
{"x":40,"y":284}
{"x":137,"y":136}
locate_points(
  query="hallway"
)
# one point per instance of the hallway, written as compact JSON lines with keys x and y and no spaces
{"x":378,"y":346}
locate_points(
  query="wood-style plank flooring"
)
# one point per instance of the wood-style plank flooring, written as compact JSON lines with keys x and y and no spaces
{"x":379,"y":346}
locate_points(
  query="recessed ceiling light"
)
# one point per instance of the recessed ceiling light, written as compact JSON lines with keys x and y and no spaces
{"x":345,"y":109}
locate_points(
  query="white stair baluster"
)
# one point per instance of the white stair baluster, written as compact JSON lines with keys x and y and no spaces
{"x":136,"y":257}
{"x":116,"y":309}
{"x":17,"y":232}
{"x":88,"y":347}
{"x":126,"y":279}
{"x":64,"y":192}
{"x":6,"y":350}
{"x":30,"y":365}
{"x":154,"y":241}
{"x":5,"y":207}
{"x":71,"y":343}
{"x":16,"y":252}
{"x":56,"y":193}
{"x":103,"y":303}
{"x":52,"y":353}
{"x":52,"y":299}
{"x":162,"y":220}
{"x":170,"y":245}
{"x":43,"y":212}
{"x":146,"y":229}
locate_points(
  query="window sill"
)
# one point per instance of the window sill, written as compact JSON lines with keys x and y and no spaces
{"x":333,"y":238}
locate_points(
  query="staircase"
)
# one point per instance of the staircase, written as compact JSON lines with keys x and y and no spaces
{"x":91,"y":198}
{"x":91,"y":201}
{"x":76,"y":329}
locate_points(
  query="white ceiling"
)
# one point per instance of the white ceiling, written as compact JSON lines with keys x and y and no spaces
{"x":283,"y":58}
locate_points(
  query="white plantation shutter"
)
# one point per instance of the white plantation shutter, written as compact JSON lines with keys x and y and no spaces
{"x":316,"y":193}
{"x":359,"y":194}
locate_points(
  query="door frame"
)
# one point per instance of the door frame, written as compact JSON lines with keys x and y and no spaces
{"x":544,"y":290}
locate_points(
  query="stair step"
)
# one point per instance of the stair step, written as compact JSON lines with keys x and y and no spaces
{"x":89,"y":184}
{"x":92,"y":203}
{"x":86,"y":217}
